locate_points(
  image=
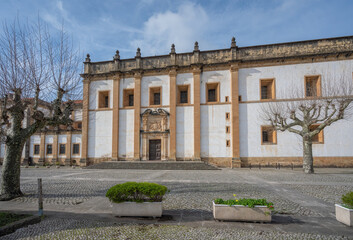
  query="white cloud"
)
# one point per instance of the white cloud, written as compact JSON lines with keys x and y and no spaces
{"x":183,"y":27}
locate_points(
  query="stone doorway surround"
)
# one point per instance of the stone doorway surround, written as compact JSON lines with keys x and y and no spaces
{"x":155,"y":127}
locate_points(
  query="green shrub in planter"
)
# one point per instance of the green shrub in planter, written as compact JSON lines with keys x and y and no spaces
{"x":249,"y":202}
{"x":136,"y":192}
{"x":347,"y":200}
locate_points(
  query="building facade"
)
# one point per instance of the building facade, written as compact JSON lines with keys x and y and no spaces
{"x":206,"y":105}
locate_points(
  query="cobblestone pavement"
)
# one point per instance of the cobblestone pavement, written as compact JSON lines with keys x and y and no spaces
{"x":295,"y":195}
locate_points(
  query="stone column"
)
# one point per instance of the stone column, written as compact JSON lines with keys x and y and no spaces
{"x":41,"y":160}
{"x":165,"y":147}
{"x":85,"y":121}
{"x":197,"y":112}
{"x":137,"y":106}
{"x":234,"y":75}
{"x":172,"y":116}
{"x":55,"y":147}
{"x":68,"y":148}
{"x":115,"y":133}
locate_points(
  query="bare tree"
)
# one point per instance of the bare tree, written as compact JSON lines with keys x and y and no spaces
{"x":34,"y":65}
{"x":308,"y":111}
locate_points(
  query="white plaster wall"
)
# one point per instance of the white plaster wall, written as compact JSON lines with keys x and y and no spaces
{"x":187,"y":79}
{"x":62,"y":139}
{"x":125,"y":83}
{"x":100,"y":134}
{"x":76,"y":138}
{"x":154,"y":81}
{"x":288,"y":77}
{"x":213,"y":131}
{"x":35,"y":139}
{"x":95,"y":87}
{"x":184,"y":132}
{"x":126,"y":133}
{"x":78,"y":115}
{"x":222,"y":77}
{"x":337,"y":137}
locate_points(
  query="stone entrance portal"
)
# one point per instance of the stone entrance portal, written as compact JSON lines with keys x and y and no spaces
{"x":155,"y":134}
{"x":155,"y":150}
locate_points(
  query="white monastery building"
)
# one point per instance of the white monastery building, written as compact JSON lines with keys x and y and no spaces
{"x":206,"y":105}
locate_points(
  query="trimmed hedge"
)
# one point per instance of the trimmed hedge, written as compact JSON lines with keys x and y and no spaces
{"x":136,"y":192}
{"x":249,"y":202}
{"x":347,"y":200}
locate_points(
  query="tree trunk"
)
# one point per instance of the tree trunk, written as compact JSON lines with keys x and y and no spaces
{"x":308,"y":162}
{"x":10,"y":178}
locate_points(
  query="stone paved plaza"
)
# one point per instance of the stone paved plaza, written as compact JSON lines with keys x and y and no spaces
{"x":76,"y":208}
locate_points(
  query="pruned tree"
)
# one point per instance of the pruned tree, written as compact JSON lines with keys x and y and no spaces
{"x":308,"y":111}
{"x":34,"y":66}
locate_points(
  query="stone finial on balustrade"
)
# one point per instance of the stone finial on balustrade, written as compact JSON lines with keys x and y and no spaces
{"x":138,"y":53}
{"x":172,"y":49}
{"x":88,"y":58}
{"x":117,"y":55}
{"x":234,"y":43}
{"x":196,"y":46}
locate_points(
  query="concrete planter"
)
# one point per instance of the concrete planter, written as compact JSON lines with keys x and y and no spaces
{"x":241,"y":213}
{"x":133,"y":209}
{"x":344,"y":215}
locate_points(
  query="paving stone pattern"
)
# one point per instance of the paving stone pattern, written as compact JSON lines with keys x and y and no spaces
{"x":191,"y":194}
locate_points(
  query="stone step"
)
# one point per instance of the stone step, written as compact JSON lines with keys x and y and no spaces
{"x":154,"y":165}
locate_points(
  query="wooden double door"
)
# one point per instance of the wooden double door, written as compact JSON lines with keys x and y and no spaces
{"x":155,"y":149}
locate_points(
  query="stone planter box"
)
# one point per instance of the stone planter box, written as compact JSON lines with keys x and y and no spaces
{"x":241,"y":213}
{"x":344,"y":215}
{"x":133,"y":209}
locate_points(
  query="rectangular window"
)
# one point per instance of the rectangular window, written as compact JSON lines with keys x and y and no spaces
{"x":267,"y":89}
{"x":155,"y":95}
{"x":227,"y":129}
{"x":36,"y":149}
{"x":49,"y":149}
{"x":318,"y":138}
{"x":183,"y":94}
{"x":227,"y":99}
{"x":62,"y":149}
{"x":103,"y":99}
{"x":212,"y":92}
{"x":227,"y":116}
{"x":128,"y":97}
{"x":76,"y":148}
{"x":268,"y":135}
{"x":228,"y":143}
{"x":312,"y":86}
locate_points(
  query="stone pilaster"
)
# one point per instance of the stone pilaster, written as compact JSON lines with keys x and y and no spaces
{"x":68,"y":148}
{"x":55,"y":148}
{"x":41,"y":160}
{"x":234,"y":75}
{"x":115,"y":133}
{"x":85,"y":121}
{"x":137,"y":106}
{"x":197,"y":113}
{"x":172,"y":116}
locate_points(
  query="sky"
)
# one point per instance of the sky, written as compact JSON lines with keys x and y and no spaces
{"x":100,"y":27}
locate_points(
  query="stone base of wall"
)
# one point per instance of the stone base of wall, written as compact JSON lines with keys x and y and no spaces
{"x":297,"y":161}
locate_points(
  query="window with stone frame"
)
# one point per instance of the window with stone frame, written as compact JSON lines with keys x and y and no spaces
{"x":103,"y":99}
{"x":155,"y":96}
{"x":76,"y":149}
{"x":49,"y":149}
{"x":36,"y":149}
{"x":62,"y":149}
{"x":268,"y":135}
{"x":183,"y":94}
{"x":313,"y":86}
{"x":267,"y":89}
{"x":318,"y":138}
{"x":212,"y":92}
{"x":128,"y":97}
